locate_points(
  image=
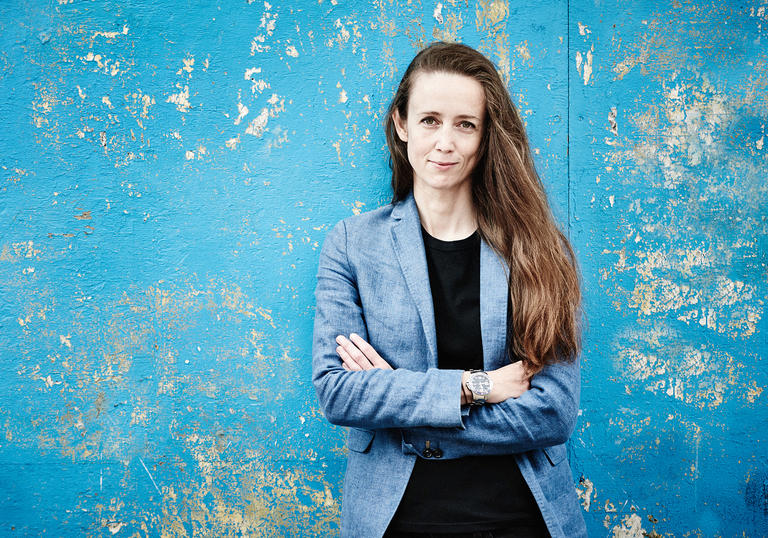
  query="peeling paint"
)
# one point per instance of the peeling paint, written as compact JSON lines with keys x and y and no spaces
{"x":167,"y":187}
{"x":180,"y":99}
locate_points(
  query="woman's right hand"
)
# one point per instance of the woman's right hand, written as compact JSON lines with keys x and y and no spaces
{"x":509,"y":381}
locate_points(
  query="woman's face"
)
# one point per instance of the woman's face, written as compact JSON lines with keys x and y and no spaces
{"x":443,"y":130}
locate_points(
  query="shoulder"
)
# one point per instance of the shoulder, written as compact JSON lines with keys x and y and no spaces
{"x":363,"y":224}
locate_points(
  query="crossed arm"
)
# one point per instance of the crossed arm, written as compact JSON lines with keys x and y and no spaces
{"x":426,"y":404}
{"x":509,"y":381}
{"x":502,"y":426}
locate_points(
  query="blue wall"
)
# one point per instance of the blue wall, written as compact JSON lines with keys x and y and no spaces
{"x":169,"y":170}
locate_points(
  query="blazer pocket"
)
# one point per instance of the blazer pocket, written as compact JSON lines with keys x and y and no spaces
{"x":360,"y":440}
{"x":555,"y":454}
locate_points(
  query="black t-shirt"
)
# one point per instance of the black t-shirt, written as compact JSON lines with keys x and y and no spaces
{"x":474,"y":493}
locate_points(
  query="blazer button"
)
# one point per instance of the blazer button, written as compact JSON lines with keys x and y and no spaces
{"x":437,"y":453}
{"x":427,"y":453}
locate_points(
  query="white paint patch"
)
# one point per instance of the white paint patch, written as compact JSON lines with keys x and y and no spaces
{"x":64,"y":340}
{"x":268,"y":22}
{"x":438,"y":13}
{"x":242,"y":111}
{"x":114,"y":526}
{"x":232,"y":143}
{"x":259,"y":124}
{"x":588,"y":67}
{"x":257,"y":45}
{"x":524,"y":52}
{"x":111,"y":35}
{"x":583,"y":30}
{"x":342,"y":96}
{"x":145,"y":101}
{"x":80,"y":92}
{"x":190,"y":155}
{"x":584,"y":490}
{"x":291,"y":51}
{"x":189,"y":65}
{"x":759,"y":143}
{"x":250,"y":72}
{"x":106,"y":65}
{"x":181,"y":99}
{"x":257,"y":86}
{"x":278,"y":105}
{"x":584,"y":67}
{"x":106,"y":101}
{"x":631,"y":527}
{"x":612,"y":120}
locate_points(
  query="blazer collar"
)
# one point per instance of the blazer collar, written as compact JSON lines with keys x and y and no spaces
{"x":409,"y":248}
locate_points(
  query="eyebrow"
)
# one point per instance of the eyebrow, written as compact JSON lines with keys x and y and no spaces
{"x":460,"y":116}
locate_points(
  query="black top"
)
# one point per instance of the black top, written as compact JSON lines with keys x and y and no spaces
{"x":474,"y":493}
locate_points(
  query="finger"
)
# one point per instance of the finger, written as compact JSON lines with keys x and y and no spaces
{"x":355,"y":355}
{"x":344,"y":365}
{"x":371,"y":354}
{"x":346,"y":360}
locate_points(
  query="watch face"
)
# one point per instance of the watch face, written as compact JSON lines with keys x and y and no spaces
{"x":479,"y":383}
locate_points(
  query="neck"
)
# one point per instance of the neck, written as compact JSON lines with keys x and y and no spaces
{"x":446,"y":215}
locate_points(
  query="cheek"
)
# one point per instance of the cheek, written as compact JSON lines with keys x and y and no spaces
{"x":472,"y":149}
{"x":416,"y":150}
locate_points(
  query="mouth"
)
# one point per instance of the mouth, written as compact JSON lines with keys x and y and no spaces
{"x":443,"y":164}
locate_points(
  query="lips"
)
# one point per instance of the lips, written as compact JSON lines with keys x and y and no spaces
{"x":440,"y":164}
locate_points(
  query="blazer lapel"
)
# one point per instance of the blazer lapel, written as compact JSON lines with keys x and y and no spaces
{"x":493,"y":307}
{"x":409,"y":248}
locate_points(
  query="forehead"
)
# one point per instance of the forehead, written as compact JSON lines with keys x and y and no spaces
{"x":448,"y":93}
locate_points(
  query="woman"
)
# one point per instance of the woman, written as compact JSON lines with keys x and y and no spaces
{"x":447,"y":324}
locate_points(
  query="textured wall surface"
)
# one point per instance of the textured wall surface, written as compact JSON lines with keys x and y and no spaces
{"x":168,"y":171}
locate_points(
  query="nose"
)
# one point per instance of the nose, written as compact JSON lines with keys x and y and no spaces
{"x":444,"y":140}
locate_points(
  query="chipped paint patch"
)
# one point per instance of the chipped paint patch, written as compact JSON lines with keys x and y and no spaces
{"x":585,"y":490}
{"x":258,"y":124}
{"x":180,"y":99}
{"x":631,"y":526}
{"x":584,"y":65}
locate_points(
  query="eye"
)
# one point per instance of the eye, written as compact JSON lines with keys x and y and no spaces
{"x":467,"y":125}
{"x":429,"y":120}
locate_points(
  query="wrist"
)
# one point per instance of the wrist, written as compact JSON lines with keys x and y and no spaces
{"x":466,"y":394}
{"x":493,"y":375}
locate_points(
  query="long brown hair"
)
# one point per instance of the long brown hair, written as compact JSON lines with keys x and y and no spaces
{"x":513,"y":213}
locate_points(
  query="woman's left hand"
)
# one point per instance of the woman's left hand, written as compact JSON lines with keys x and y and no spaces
{"x":357,"y":354}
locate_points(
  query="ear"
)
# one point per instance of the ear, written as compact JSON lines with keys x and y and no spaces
{"x":400,"y":126}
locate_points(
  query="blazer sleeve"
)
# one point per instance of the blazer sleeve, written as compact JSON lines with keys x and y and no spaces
{"x":374,"y":398}
{"x":543,"y":416}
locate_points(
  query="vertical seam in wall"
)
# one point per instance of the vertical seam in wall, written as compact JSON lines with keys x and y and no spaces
{"x":568,"y":113}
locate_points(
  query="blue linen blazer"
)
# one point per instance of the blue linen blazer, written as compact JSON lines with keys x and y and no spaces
{"x":372,"y":280}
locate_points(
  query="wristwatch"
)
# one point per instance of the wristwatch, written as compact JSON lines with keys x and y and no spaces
{"x":479,"y":384}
